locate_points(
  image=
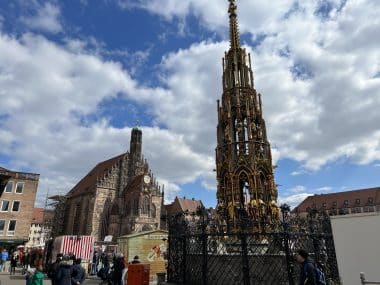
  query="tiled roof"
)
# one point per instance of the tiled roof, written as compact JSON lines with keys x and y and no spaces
{"x":135,"y":184}
{"x":89,"y":182}
{"x":183,"y":205}
{"x":40,"y":215}
{"x":348,"y":199}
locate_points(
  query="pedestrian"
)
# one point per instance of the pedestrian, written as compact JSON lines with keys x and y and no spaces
{"x":118,"y":268}
{"x":63,"y":276}
{"x":4,"y":258}
{"x":13,"y":264}
{"x":307,"y":274}
{"x":38,"y":276}
{"x":77,"y":274}
{"x":95,"y":263}
{"x":136,"y":260}
{"x":53,"y":269}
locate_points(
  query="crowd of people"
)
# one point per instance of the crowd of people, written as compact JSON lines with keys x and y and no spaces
{"x":66,"y":270}
{"x":18,"y":258}
{"x":112,"y":269}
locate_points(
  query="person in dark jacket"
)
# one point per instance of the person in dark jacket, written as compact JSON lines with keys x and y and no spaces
{"x":63,"y":276}
{"x":77,"y":275}
{"x":307,"y":274}
{"x":118,"y":268}
{"x":13,"y":264}
{"x":53,"y":269}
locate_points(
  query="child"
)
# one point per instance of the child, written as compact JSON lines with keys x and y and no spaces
{"x":38,"y":276}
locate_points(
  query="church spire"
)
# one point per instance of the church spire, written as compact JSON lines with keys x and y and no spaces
{"x":234,"y":30}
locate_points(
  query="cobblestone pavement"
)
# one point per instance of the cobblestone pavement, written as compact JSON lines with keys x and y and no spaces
{"x":6,"y":279}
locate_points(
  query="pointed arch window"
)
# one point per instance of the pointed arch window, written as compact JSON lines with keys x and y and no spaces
{"x":261,"y":185}
{"x":153,"y":211}
{"x":145,"y":209}
{"x":135,"y":207}
{"x":245,"y":126}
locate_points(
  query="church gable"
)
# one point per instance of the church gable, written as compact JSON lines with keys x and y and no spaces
{"x":103,"y":174}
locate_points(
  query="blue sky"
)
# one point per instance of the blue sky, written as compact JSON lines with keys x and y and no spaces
{"x":76,"y":76}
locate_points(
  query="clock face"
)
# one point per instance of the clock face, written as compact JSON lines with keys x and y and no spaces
{"x":146,"y":179}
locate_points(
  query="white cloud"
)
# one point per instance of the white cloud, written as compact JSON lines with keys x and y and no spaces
{"x":315,"y":120}
{"x":46,"y":18}
{"x":298,"y":172}
{"x":297,"y":189}
{"x":327,"y":115}
{"x":324,"y":189}
{"x":293,"y":200}
{"x":46,"y":89}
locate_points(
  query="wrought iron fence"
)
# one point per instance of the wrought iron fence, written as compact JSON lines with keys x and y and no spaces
{"x":201,"y":251}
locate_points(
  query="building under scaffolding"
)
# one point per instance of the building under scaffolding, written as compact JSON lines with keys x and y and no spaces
{"x":58,"y":204}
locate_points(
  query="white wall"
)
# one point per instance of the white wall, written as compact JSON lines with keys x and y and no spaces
{"x":357,"y":244}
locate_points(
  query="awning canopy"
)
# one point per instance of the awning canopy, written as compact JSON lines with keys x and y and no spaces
{"x":12,"y":241}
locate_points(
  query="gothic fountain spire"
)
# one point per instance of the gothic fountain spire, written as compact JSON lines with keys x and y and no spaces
{"x":234,"y":29}
{"x":246,"y":186}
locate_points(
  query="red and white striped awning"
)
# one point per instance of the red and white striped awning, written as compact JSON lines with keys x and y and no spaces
{"x":80,"y":246}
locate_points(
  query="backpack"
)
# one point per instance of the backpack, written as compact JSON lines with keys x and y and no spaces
{"x":320,"y":276}
{"x":321,"y":280}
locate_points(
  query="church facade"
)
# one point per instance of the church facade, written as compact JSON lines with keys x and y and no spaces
{"x":245,"y":179}
{"x":118,"y":196}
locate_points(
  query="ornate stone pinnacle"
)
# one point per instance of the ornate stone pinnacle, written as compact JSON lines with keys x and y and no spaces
{"x":234,"y":30}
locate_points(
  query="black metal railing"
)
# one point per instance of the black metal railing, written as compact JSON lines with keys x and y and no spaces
{"x":202,"y":252}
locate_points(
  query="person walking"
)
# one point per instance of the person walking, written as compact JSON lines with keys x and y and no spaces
{"x":4,"y":258}
{"x":118,"y":268}
{"x":53,"y":269}
{"x":136,"y":260}
{"x":13,"y":264}
{"x":38,"y":276}
{"x":307,"y":274}
{"x":95,"y":263}
{"x":77,"y":274}
{"x":63,"y":276}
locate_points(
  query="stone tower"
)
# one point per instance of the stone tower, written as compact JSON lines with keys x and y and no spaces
{"x":135,"y":150}
{"x":246,"y":187}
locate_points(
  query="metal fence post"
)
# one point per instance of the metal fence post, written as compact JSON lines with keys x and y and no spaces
{"x":184,"y":256}
{"x":289,"y":267}
{"x":285,"y":209}
{"x":245,"y":261}
{"x":204,"y":254}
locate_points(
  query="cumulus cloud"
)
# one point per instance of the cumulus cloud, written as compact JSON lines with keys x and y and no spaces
{"x":316,"y":68}
{"x":45,"y":17}
{"x":46,"y":92}
{"x":293,"y":200}
{"x":298,"y":189}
